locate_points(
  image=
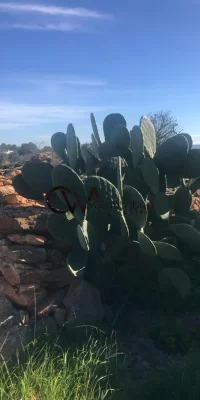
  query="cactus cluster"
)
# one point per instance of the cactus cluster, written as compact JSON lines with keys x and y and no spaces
{"x":130,"y":177}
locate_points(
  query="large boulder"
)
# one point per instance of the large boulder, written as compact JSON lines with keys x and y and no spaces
{"x":83,"y":304}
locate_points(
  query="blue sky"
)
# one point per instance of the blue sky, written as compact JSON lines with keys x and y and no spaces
{"x":61,"y":60}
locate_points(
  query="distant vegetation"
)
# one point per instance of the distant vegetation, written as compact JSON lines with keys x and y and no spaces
{"x":19,"y":154}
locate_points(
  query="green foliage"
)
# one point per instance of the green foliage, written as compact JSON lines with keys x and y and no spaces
{"x":27,"y":148}
{"x":114,"y":193}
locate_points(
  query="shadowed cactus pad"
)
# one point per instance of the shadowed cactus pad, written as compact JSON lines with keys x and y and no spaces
{"x":110,"y":122}
{"x":135,"y":209}
{"x":147,"y":247}
{"x":90,"y":161}
{"x":189,"y":139}
{"x":172,"y":154}
{"x":58,"y":143}
{"x":119,"y":176}
{"x":168,"y":252}
{"x":188,"y":235}
{"x":61,"y":228}
{"x":87,"y":236}
{"x":38,"y":176}
{"x":174,"y":277}
{"x":182,"y":200}
{"x":95,"y":129}
{"x":161,"y":205}
{"x":72,"y":147}
{"x":73,"y":195}
{"x":24,"y":190}
{"x":95,"y":145}
{"x":150,"y":174}
{"x":191,"y":167}
{"x":136,"y":145}
{"x":120,"y":136}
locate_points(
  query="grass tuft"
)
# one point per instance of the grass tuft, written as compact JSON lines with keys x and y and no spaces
{"x":78,"y":371}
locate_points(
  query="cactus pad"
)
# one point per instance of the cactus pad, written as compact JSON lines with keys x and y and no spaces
{"x":147,"y":247}
{"x":58,"y":143}
{"x":188,"y":235}
{"x":136,"y":145}
{"x":168,"y":252}
{"x":72,"y":148}
{"x":61,"y":228}
{"x":174,"y":277}
{"x":110,"y":122}
{"x":95,"y":129}
{"x":38,"y":176}
{"x":150,"y":174}
{"x":149,"y":135}
{"x":73,"y":195}
{"x":24,"y":190}
{"x":135,"y":209}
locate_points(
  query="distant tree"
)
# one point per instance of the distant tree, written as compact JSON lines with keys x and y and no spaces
{"x":165,"y":125}
{"x":6,"y":147}
{"x":27,"y":148}
{"x":13,"y":147}
{"x":46,"y":148}
{"x":3,"y":147}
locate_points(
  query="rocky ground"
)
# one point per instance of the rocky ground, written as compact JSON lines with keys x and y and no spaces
{"x":35,"y":284}
{"x":37,"y":291}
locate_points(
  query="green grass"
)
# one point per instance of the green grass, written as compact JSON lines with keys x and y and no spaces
{"x":85,"y":366}
{"x":76,"y":371}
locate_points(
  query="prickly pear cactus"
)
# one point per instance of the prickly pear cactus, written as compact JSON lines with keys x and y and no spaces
{"x":149,"y":136}
{"x":114,"y":195}
{"x":110,"y":122}
{"x":72,"y":147}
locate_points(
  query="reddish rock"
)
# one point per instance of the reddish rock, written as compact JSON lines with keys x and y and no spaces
{"x":9,"y":271}
{"x":8,"y":224}
{"x":32,"y":295}
{"x":23,"y":295}
{"x":17,"y":200}
{"x":5,"y":190}
{"x":27,"y":239}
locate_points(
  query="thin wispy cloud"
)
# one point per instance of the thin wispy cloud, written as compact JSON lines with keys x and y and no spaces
{"x":51,"y":80}
{"x":45,"y":27}
{"x":51,"y":10}
{"x":62,"y":81}
{"x":16,"y":115}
